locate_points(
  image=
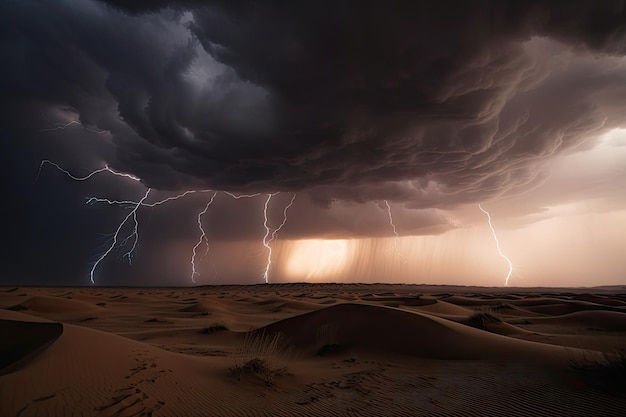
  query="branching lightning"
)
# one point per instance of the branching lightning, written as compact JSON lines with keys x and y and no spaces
{"x":266,"y":239}
{"x":203,"y":239}
{"x":86,"y":177}
{"x":117,"y":240}
{"x":132,"y":214}
{"x":134,"y":205}
{"x":92,"y":200}
{"x":495,"y":237}
{"x":238,"y":196}
{"x":116,"y":235}
{"x":63,"y":126}
{"x":270,"y":234}
{"x":287,"y":207}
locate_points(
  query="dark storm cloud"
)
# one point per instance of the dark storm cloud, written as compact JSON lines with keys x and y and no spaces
{"x":431,"y":103}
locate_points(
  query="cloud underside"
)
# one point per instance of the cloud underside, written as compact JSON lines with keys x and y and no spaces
{"x":433,"y":103}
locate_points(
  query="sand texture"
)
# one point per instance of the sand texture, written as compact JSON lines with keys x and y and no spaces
{"x":312,"y":350}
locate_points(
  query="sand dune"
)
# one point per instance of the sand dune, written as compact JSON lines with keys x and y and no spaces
{"x":596,"y":320}
{"x":363,"y":327}
{"x":23,"y":341}
{"x":445,"y":309}
{"x":343,"y":350}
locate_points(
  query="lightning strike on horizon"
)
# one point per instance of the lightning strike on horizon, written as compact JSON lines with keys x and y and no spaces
{"x":271,"y":235}
{"x":265,"y":239}
{"x":495,"y":237}
{"x":203,"y":239}
{"x":116,"y":234}
{"x":133,"y":213}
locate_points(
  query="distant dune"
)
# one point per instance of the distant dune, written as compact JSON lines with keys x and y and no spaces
{"x":302,"y":349}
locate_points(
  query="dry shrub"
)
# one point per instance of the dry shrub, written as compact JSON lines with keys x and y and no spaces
{"x":213,"y":328}
{"x":482,"y":318}
{"x":261,"y":356}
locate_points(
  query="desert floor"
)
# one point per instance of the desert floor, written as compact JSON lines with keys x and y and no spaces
{"x":312,"y":349}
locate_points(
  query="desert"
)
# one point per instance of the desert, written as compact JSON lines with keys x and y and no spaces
{"x":312,"y":350}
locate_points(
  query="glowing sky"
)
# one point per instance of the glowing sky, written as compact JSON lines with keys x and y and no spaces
{"x":360,"y":109}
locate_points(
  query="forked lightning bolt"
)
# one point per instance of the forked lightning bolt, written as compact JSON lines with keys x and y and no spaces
{"x":238,"y":196}
{"x":133,"y":213}
{"x":116,"y":235}
{"x":271,"y":235}
{"x":86,"y":177}
{"x":278,"y":229}
{"x":63,"y":126}
{"x":203,"y":239}
{"x":134,"y":205}
{"x":92,"y":200}
{"x":495,"y":237}
{"x":266,"y":241}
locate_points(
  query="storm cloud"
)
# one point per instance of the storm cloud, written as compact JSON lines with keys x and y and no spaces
{"x":431,"y":103}
{"x":431,"y":106}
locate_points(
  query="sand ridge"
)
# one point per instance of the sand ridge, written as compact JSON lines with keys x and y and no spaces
{"x":326,"y":349}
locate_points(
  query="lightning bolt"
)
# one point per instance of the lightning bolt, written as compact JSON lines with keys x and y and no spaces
{"x":116,"y":235}
{"x":92,"y":200}
{"x":393,"y":226}
{"x":238,"y":196}
{"x":287,"y":207}
{"x":270,"y":234}
{"x":495,"y":237}
{"x":203,"y":239}
{"x":63,"y":126}
{"x":395,"y":232}
{"x":266,"y":240}
{"x":131,"y":215}
{"x":86,"y":177}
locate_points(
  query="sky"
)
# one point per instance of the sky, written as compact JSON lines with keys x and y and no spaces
{"x":344,"y":141}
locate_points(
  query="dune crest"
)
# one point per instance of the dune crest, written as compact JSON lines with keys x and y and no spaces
{"x":22,"y":341}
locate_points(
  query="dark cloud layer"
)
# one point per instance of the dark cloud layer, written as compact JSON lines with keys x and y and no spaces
{"x":432,"y":106}
{"x":434,"y":103}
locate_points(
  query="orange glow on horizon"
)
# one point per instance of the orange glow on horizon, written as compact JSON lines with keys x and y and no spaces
{"x":317,"y":258}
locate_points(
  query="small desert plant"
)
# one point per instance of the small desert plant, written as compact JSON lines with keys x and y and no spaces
{"x":213,"y":328}
{"x":482,"y":317}
{"x":607,"y":374}
{"x":259,"y":368}
{"x":261,"y":355}
{"x":500,"y":306}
